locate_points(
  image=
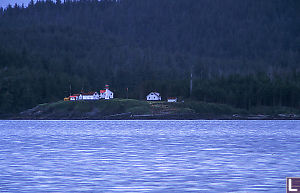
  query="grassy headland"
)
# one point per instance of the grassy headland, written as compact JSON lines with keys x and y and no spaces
{"x":137,"y":109}
{"x":87,"y":109}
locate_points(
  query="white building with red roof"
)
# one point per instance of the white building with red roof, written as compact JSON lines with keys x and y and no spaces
{"x":103,"y":94}
{"x":172,"y":99}
{"x":74,"y":97}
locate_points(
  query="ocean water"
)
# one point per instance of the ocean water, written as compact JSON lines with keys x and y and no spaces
{"x":148,"y":156}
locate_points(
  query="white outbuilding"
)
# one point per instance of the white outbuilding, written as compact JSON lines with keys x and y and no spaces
{"x":74,"y":97}
{"x":153,"y":96}
{"x":172,"y":99}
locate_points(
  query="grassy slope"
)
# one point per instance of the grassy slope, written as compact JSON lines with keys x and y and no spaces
{"x":69,"y":109}
{"x":194,"y":107}
{"x":117,"y":106}
{"x":104,"y":107}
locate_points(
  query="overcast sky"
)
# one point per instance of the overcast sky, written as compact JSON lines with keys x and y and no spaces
{"x":4,"y":3}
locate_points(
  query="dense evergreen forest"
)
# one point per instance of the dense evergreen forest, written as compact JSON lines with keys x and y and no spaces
{"x":242,"y":53}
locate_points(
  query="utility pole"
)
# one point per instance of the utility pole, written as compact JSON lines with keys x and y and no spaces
{"x":127,"y":92}
{"x":82,"y":91}
{"x":191,"y":82}
{"x":70,"y":88}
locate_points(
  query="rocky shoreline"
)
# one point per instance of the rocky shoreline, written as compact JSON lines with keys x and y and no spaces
{"x":165,"y":116}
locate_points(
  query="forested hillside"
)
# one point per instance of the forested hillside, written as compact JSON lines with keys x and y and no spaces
{"x":242,"y":53}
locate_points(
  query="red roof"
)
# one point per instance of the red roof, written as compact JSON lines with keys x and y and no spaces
{"x":102,"y":91}
{"x":88,"y":93}
{"x":73,"y":96}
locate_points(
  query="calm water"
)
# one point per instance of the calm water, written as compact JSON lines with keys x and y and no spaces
{"x":148,"y":156}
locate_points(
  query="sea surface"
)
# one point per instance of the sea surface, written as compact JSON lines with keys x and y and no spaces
{"x":148,"y":156}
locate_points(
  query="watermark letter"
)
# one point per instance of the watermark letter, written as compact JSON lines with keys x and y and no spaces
{"x":292,"y":185}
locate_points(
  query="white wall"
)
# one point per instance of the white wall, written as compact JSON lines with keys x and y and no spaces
{"x":172,"y":100}
{"x":107,"y":95}
{"x":153,"y":97}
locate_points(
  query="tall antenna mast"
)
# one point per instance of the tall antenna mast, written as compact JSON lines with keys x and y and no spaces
{"x":82,"y":87}
{"x":70,"y":88}
{"x":191,"y":82}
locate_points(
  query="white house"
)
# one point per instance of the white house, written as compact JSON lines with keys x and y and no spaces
{"x":106,"y":94}
{"x":153,"y":96}
{"x":74,"y":97}
{"x":172,"y":99}
{"x":89,"y":96}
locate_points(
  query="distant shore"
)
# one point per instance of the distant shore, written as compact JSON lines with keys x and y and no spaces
{"x":131,"y":109}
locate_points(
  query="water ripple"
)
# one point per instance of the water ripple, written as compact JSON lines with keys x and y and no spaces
{"x":148,"y":156}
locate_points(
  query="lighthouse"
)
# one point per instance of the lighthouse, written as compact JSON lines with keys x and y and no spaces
{"x":106,"y":94}
{"x":107,"y":91}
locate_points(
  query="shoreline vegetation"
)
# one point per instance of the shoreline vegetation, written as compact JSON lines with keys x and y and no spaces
{"x":131,"y":109}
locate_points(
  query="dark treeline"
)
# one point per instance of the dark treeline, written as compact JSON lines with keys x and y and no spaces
{"x":242,"y":53}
